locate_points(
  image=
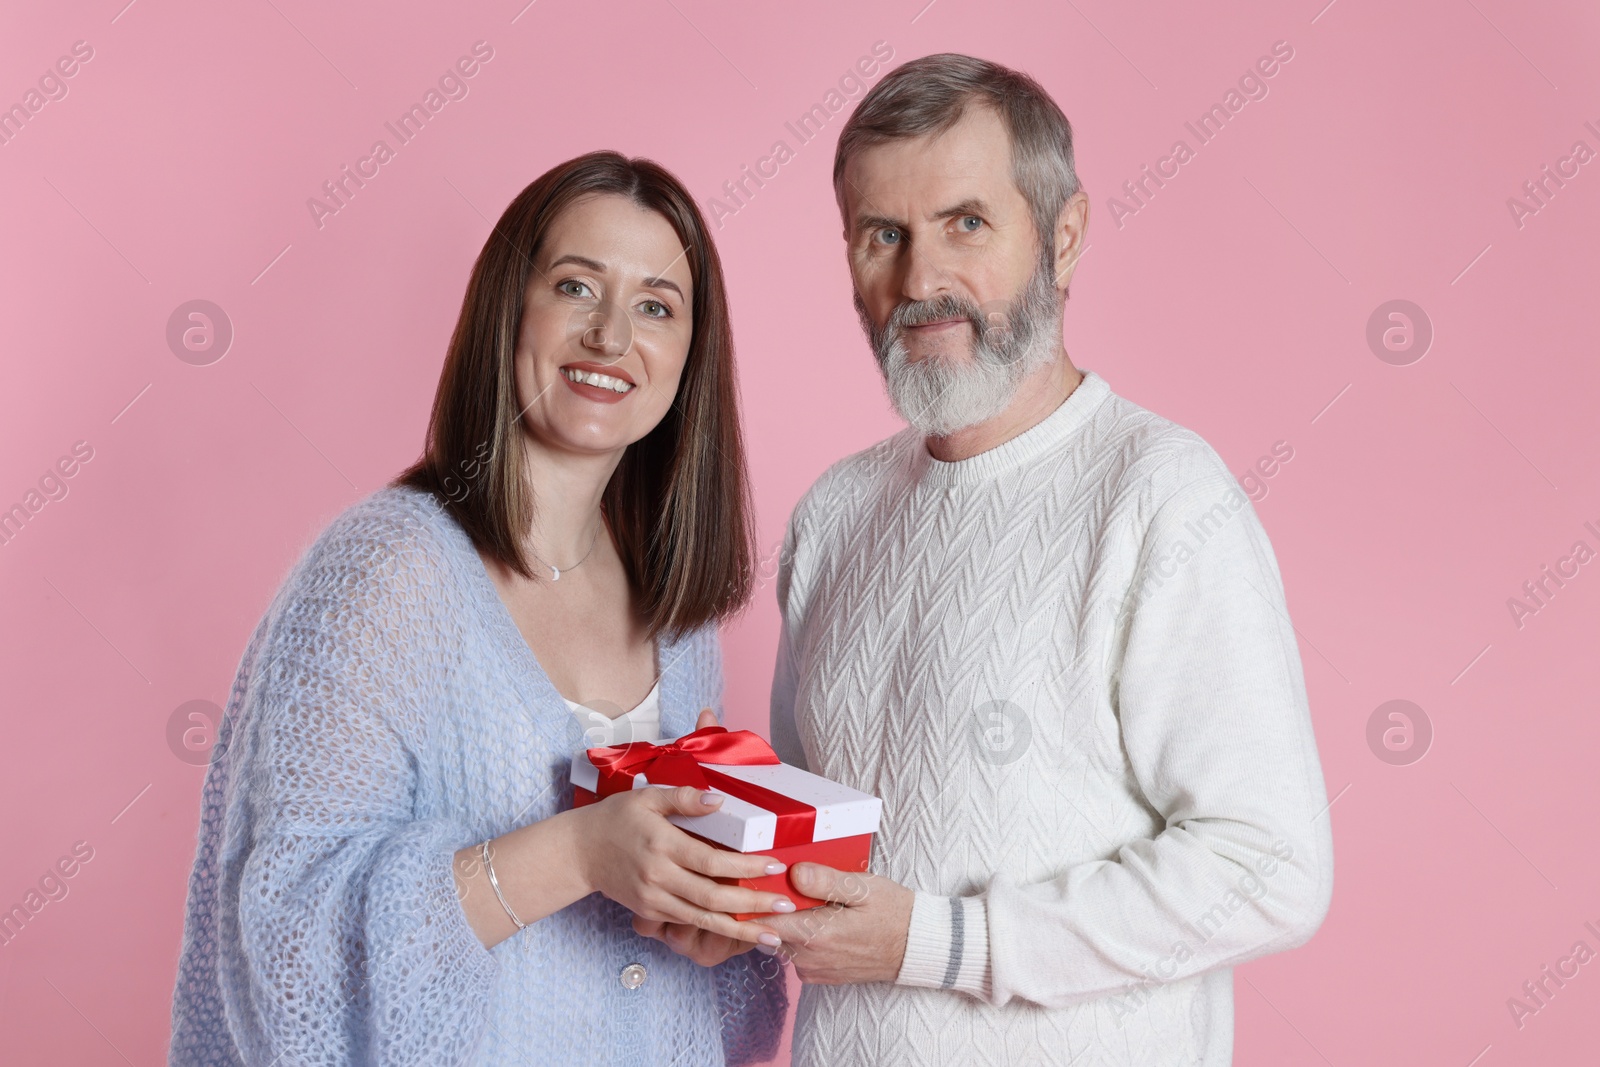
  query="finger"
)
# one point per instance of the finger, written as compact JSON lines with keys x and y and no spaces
{"x":717,"y":922}
{"x":707,"y":718}
{"x":684,"y":800}
{"x":648,"y":927}
{"x":723,"y":863}
{"x":829,"y":883}
{"x":707,"y":949}
{"x":677,"y":937}
{"x":686,"y":941}
{"x":728,"y":899}
{"x":801,"y":929}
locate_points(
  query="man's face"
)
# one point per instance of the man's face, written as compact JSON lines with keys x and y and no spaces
{"x":954,"y":288}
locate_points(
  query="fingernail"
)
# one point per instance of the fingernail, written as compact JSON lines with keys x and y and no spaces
{"x":775,"y":867}
{"x":767,"y":950}
{"x":770,"y":940}
{"x":711,"y":799}
{"x":783,"y":904}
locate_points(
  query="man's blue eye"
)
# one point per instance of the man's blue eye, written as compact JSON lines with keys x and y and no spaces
{"x":973,"y":219}
{"x":889,"y":237}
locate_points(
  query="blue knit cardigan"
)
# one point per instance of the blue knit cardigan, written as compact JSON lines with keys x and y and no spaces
{"x":386,"y":713}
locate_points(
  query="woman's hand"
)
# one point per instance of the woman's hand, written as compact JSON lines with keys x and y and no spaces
{"x":634,"y":856}
{"x":624,"y":847}
{"x":705,"y":948}
{"x":655,"y":870}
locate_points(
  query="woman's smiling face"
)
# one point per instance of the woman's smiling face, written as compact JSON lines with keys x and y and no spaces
{"x":606,"y":326}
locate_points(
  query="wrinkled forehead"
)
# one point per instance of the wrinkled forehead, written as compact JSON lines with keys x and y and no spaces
{"x":916,"y":178}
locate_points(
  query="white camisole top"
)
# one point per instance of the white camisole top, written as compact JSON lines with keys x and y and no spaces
{"x":643,"y":723}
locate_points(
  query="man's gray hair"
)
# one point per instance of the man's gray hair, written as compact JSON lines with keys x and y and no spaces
{"x":931,"y":94}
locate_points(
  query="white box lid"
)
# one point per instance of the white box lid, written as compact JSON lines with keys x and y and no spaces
{"x":747,"y":827}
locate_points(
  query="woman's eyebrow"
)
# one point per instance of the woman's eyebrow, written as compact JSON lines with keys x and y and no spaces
{"x":582,"y":261}
{"x":663,"y":283}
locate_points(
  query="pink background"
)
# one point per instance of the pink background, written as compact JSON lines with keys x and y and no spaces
{"x":1234,"y":302}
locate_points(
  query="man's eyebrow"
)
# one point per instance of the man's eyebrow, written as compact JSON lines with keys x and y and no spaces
{"x":970,"y":206}
{"x":600,"y":268}
{"x":877,"y":222}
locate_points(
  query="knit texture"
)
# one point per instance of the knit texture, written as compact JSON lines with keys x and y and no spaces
{"x":386,"y":713}
{"x":1066,"y":665}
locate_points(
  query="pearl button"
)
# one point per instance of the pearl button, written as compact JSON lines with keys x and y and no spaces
{"x":632,"y":976}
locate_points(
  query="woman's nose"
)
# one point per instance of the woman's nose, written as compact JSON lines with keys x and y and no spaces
{"x":609,"y":331}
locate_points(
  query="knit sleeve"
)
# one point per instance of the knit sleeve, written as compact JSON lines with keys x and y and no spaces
{"x":352,"y":946}
{"x":1207,"y":685}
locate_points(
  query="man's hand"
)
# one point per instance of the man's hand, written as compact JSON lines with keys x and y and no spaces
{"x":860,"y":937}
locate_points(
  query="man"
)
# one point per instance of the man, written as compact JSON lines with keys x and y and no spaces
{"x":1046,"y":627}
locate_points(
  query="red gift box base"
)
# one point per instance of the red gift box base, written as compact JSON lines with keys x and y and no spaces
{"x":843,"y":853}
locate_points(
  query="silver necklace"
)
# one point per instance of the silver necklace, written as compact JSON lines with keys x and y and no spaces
{"x":555,"y":572}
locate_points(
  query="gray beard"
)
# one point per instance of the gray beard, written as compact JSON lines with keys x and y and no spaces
{"x":938,"y":396}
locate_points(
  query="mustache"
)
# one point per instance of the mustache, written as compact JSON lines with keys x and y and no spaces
{"x":939,"y":309}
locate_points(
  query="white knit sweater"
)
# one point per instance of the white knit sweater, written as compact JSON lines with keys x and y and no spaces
{"x":1067,"y":667}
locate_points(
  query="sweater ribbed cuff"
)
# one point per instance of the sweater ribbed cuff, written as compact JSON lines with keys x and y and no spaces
{"x":947,"y":945}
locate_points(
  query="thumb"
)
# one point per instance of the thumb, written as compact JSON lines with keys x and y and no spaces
{"x":707,"y":718}
{"x":688,"y":800}
{"x":824,"y":883}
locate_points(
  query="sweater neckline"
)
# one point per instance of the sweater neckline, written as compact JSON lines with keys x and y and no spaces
{"x":1068,"y":417}
{"x":496,"y":617}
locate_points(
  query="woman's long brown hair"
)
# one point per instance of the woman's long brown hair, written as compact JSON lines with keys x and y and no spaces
{"x":679,"y":502}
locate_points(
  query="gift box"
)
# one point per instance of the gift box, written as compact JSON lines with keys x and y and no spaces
{"x":769,"y":807}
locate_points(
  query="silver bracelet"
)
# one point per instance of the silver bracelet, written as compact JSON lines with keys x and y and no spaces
{"x":494,"y":883}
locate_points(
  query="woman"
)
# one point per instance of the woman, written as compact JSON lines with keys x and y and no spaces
{"x":390,"y":869}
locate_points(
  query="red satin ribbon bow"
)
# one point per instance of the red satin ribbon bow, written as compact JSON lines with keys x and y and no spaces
{"x":679,"y":763}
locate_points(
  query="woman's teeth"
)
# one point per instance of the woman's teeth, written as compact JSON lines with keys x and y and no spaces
{"x":589,"y":377}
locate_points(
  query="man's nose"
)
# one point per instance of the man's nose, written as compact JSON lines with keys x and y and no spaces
{"x":924,"y":276}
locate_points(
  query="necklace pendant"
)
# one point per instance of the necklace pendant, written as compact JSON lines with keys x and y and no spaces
{"x":555,"y":574}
